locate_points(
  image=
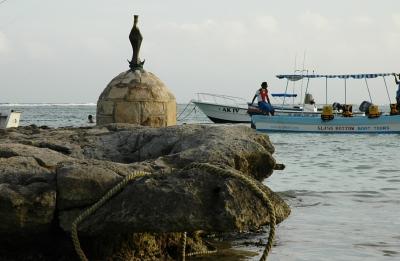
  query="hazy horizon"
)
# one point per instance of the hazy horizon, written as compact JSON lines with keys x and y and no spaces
{"x":68,"y":51}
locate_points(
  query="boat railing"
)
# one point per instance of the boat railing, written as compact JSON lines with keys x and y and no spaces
{"x":221,"y":99}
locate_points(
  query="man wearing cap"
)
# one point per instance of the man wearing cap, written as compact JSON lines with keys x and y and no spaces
{"x":263,"y":100}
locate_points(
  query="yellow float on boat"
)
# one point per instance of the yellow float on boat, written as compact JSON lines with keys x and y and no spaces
{"x":327,"y":113}
{"x":373,"y":111}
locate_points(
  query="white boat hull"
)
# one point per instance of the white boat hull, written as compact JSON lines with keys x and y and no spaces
{"x":358,"y":124}
{"x":219,"y":113}
{"x":229,"y":109}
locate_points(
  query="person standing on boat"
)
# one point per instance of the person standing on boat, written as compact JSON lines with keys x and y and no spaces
{"x":398,"y":89}
{"x":263,"y":99}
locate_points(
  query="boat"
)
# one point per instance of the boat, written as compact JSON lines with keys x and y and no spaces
{"x":334,"y":118}
{"x":9,"y":119}
{"x":230,"y":109}
{"x":223,"y":108}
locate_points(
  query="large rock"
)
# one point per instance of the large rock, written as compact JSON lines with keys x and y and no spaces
{"x":177,"y":146}
{"x":48,"y":176}
{"x":182,"y":200}
{"x":137,"y":97}
{"x":27,"y":196}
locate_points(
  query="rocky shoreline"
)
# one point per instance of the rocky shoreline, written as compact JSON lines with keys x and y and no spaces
{"x":48,"y":176}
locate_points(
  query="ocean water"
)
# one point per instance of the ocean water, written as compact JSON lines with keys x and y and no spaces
{"x":76,"y":115}
{"x":344,"y":190}
{"x":53,"y":115}
{"x":345,"y":197}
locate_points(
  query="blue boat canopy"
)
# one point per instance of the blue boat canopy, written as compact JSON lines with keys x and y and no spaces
{"x":283,"y":95}
{"x":296,"y":77}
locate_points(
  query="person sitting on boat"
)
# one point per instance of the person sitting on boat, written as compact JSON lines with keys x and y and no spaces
{"x":263,"y":99}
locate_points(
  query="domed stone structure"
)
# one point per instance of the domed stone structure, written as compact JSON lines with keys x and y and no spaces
{"x":136,"y":96}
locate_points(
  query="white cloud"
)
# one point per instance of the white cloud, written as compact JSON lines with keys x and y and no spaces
{"x":315,"y":20}
{"x":4,"y":44}
{"x":268,"y":22}
{"x":210,"y":34}
{"x":392,"y":40}
{"x":396,"y":19}
{"x":211,"y":27}
{"x":363,"y":20}
{"x":97,"y":45}
{"x":39,"y":51}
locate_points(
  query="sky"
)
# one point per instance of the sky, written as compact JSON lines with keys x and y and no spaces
{"x":54,"y":51}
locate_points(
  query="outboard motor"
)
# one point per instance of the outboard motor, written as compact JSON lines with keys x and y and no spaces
{"x":393,"y":109}
{"x":364,"y":106}
{"x":347,"y":110}
{"x":337,"y":106}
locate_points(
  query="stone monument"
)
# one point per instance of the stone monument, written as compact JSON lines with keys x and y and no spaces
{"x":136,"y":96}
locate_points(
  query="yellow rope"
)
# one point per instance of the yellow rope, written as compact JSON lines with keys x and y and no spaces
{"x":98,"y":204}
{"x":259,"y":192}
{"x":183,"y":244}
{"x":183,"y":253}
{"x":205,"y":166}
{"x":201,"y":253}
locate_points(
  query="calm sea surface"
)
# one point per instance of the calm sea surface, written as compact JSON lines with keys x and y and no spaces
{"x":344,"y":190}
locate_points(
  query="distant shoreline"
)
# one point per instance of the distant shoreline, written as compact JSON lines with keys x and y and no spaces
{"x":48,"y":104}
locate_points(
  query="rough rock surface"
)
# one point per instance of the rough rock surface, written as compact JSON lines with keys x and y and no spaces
{"x":137,"y":97}
{"x":48,"y":176}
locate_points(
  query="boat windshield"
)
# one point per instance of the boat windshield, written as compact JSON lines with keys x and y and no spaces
{"x":283,"y":95}
{"x":221,"y":99}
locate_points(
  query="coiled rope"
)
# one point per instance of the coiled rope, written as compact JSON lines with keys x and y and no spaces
{"x":116,"y":189}
{"x":197,"y":253}
{"x":255,"y":188}
{"x":204,"y":166}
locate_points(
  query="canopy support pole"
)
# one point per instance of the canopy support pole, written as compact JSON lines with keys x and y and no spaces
{"x":369,"y":93}
{"x":345,"y":91}
{"x":308,"y":81}
{"x":387,"y":91}
{"x":302,"y":78}
{"x":293,"y":86}
{"x":326,"y":90}
{"x":301,"y":89}
{"x":287,"y":84}
{"x":304,"y":101}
